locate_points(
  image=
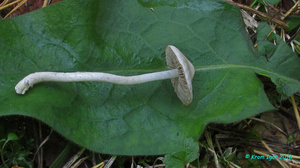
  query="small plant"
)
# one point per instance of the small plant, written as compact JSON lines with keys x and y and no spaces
{"x":13,"y":153}
{"x":10,"y":137}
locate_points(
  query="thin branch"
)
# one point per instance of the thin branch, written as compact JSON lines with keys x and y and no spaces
{"x":264,"y":15}
{"x":46,"y":2}
{"x":263,"y":121}
{"x":8,"y":5}
{"x":295,"y":110}
{"x":18,"y":6}
{"x":271,"y":151}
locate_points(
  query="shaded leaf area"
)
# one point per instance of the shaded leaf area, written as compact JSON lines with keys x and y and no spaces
{"x":283,"y":62}
{"x":128,"y":38}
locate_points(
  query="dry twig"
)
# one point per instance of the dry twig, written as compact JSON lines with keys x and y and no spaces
{"x":272,"y":152}
{"x":295,"y":110}
{"x":264,"y":15}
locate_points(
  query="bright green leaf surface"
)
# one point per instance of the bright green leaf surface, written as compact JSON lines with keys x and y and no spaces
{"x":12,"y":137}
{"x":126,"y":37}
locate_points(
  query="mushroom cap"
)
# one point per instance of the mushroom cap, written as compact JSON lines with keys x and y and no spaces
{"x":182,"y":84}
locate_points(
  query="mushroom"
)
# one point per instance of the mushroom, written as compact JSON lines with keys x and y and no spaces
{"x":181,"y":74}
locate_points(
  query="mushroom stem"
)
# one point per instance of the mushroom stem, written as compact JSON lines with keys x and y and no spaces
{"x":38,"y":77}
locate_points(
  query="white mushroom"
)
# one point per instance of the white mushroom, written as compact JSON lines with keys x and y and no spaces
{"x":183,"y":83}
{"x":181,"y":74}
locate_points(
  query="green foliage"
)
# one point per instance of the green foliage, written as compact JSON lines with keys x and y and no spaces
{"x":13,"y":152}
{"x":293,"y":21}
{"x":61,"y":159}
{"x":282,"y":60}
{"x":229,"y":154}
{"x":297,"y":46}
{"x":10,"y":137}
{"x":273,"y":2}
{"x":127,"y":38}
{"x":188,"y":154}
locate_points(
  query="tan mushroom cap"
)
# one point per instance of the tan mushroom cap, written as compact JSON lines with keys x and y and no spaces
{"x":183,"y":84}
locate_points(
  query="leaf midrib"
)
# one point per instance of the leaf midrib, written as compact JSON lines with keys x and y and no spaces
{"x":258,"y":70}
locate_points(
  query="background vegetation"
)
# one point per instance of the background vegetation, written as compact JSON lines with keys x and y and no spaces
{"x":27,"y":142}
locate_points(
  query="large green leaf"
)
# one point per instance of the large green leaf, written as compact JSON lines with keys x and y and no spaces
{"x":127,"y":37}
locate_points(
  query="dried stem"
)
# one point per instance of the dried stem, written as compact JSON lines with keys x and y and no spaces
{"x":295,"y":110}
{"x":264,"y":15}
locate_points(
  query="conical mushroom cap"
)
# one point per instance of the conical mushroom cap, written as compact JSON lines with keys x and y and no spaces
{"x":183,"y":84}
